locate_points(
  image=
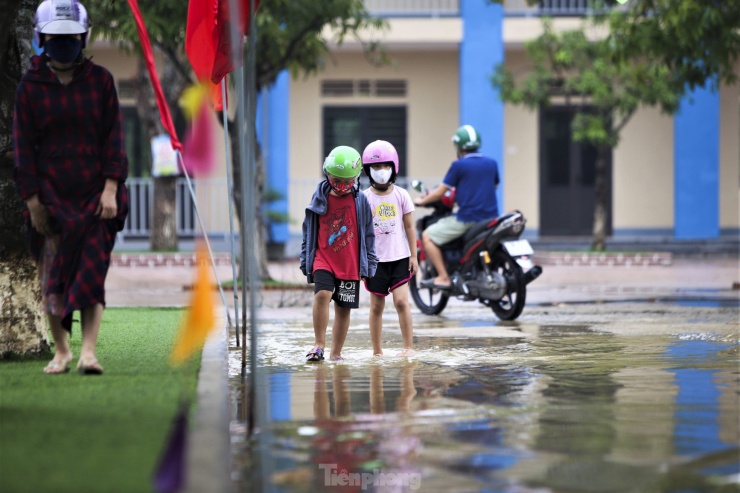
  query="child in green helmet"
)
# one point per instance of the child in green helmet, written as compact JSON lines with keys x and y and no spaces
{"x":338,"y":248}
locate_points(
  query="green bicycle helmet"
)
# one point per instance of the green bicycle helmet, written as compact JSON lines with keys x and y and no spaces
{"x":343,"y":162}
{"x":466,"y":138}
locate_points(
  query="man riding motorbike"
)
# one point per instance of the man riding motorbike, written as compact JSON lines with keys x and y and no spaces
{"x":474,"y":178}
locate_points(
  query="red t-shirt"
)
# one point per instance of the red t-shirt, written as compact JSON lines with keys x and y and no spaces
{"x":338,"y":250}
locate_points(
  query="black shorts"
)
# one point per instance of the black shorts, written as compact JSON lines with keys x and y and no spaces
{"x":388,"y":277}
{"x":345,"y":293}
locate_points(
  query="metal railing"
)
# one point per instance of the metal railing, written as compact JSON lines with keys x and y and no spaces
{"x":210,"y":194}
{"x":439,"y":8}
{"x":548,"y":7}
{"x":421,"y":8}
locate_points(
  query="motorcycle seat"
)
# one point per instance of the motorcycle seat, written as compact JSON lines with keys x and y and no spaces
{"x":478,"y":228}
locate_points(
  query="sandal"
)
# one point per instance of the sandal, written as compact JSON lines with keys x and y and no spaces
{"x":89,"y":366}
{"x":429,"y":284}
{"x":57,"y":367}
{"x":316,"y":354}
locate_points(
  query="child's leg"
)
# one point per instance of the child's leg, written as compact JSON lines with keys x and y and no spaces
{"x":321,"y":302}
{"x":377,"y":304}
{"x":401,"y":302}
{"x":377,"y":399}
{"x":339,"y":330}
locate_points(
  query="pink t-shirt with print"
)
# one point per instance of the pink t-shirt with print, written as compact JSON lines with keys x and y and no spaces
{"x":388,"y":211}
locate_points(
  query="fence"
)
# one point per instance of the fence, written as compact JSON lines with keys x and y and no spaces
{"x":436,"y":8}
{"x":212,"y":196}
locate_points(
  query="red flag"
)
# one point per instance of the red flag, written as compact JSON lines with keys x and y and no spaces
{"x":146,"y":47}
{"x":207,"y":37}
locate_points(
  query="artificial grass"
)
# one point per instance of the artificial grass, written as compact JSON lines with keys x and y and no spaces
{"x":74,"y":433}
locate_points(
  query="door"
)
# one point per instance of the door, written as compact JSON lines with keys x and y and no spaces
{"x":357,"y":126}
{"x":567,"y":178}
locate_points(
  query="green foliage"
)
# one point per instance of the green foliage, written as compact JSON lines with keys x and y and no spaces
{"x":653,"y":52}
{"x":165,"y":22}
{"x":696,"y":40}
{"x":291,"y":34}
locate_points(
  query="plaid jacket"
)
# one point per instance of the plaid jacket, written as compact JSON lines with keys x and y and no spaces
{"x":68,"y":140}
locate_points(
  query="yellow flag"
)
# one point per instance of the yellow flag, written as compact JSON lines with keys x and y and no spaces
{"x":191,"y":100}
{"x":200,"y":318}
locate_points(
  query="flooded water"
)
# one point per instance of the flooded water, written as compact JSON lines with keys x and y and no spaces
{"x":629,"y":403}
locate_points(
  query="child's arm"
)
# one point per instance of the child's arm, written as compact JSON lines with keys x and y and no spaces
{"x":303,"y":247}
{"x":372,"y":258}
{"x":408,"y":226}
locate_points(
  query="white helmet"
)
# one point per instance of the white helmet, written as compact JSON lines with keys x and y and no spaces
{"x":61,"y":17}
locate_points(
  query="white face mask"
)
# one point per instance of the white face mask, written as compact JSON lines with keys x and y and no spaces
{"x":381,"y":176}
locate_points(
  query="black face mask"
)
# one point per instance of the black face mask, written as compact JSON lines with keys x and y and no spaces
{"x":63,"y":49}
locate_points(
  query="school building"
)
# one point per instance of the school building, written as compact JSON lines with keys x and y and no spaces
{"x":671,"y":177}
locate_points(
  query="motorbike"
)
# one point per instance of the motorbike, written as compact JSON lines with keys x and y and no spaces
{"x":489,"y":263}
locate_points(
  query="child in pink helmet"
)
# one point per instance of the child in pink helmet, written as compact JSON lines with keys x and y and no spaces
{"x":395,"y":243}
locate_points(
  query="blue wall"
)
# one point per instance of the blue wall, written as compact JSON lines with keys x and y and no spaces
{"x":272,"y":130}
{"x":481,"y":50}
{"x":696,"y":163}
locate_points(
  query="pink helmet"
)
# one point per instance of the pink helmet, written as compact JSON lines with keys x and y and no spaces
{"x":61,"y":17}
{"x":378,"y":152}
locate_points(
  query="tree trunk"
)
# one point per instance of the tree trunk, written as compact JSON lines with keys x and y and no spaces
{"x":258,"y":239}
{"x":23,"y":329}
{"x":163,"y":231}
{"x":600,"y":205}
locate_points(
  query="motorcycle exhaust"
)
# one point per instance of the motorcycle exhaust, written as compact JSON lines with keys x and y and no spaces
{"x":532,"y":274}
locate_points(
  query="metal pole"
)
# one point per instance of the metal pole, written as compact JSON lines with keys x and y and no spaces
{"x":227,"y":150}
{"x":257,"y":417}
{"x":254,"y":275}
{"x":259,"y":403}
{"x":205,"y":234}
{"x":236,"y":55}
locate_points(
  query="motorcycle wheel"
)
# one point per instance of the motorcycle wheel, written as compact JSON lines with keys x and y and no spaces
{"x":510,"y":306}
{"x":429,"y":301}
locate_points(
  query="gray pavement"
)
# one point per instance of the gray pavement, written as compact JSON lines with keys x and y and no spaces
{"x":167,"y":286}
{"x":684,"y":279}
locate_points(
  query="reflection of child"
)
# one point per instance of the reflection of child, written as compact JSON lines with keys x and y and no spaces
{"x":350,"y":460}
{"x":395,"y":240}
{"x":338,"y":248}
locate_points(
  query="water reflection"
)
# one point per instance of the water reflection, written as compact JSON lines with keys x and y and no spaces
{"x":570,"y":408}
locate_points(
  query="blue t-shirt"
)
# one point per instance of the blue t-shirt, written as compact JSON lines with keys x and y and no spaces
{"x":474,"y":178}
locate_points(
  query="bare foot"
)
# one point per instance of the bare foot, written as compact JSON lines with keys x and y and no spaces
{"x":88,"y":365}
{"x":407,"y":352}
{"x":60,"y":364}
{"x":438,"y":281}
{"x":378,"y":355}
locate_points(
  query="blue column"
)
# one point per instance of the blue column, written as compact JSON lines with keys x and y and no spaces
{"x":280,"y":396}
{"x":696,"y":165}
{"x":482,"y":48}
{"x":272,"y":125}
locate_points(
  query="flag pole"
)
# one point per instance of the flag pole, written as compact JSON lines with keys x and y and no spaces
{"x":257,"y":406}
{"x":205,"y":235}
{"x":254,"y":274}
{"x":232,"y":247}
{"x":258,"y":403}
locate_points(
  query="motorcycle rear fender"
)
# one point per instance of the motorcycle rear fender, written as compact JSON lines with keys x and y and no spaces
{"x":509,"y":227}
